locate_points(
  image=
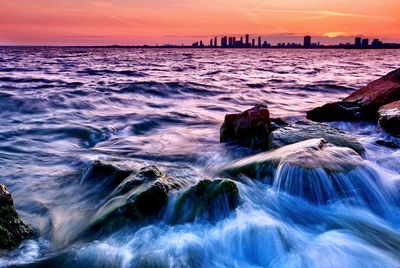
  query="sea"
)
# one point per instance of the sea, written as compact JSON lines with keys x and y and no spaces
{"x":61,"y":108}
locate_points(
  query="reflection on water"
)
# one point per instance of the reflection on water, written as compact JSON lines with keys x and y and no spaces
{"x":61,"y":108}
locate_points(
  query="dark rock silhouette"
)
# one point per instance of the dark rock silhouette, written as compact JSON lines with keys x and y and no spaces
{"x":12,"y":230}
{"x":250,"y":128}
{"x":362,"y":104}
{"x":389,"y":118}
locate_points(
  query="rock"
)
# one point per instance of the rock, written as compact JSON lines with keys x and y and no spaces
{"x":12,"y":230}
{"x":363,"y":103}
{"x":389,"y":118}
{"x":250,"y":128}
{"x":336,"y":111}
{"x":277,"y":123}
{"x":314,"y":153}
{"x":207,"y":200}
{"x":388,"y":144}
{"x":109,"y":173}
{"x":139,"y":197}
{"x":305,"y":130}
{"x":319,"y":172}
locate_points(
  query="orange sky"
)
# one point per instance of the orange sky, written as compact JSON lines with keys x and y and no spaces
{"x":102,"y":22}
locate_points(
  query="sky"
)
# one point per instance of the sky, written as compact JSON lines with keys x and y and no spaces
{"x":133,"y":22}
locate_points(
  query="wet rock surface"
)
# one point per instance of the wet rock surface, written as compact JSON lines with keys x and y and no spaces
{"x":207,"y":200}
{"x":12,"y":230}
{"x":109,"y":173}
{"x":305,"y":130}
{"x":139,"y":197}
{"x":388,"y":144}
{"x":314,"y":153}
{"x":389,"y":118}
{"x":316,"y":171}
{"x":362,"y":104}
{"x":249,"y":128}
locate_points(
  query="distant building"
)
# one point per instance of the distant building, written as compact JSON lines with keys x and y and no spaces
{"x":365,"y":43}
{"x":247,"y":40}
{"x":215,"y":42}
{"x":211,"y":42}
{"x":259,"y":41}
{"x":253,"y":42}
{"x":224,"y":41}
{"x":357,"y":42}
{"x":376,"y":43}
{"x":307,"y":41}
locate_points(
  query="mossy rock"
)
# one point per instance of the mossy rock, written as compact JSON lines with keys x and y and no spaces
{"x":138,"y":198}
{"x":306,"y":130}
{"x":207,"y":200}
{"x":12,"y":230}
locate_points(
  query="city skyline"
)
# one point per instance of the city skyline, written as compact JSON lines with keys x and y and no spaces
{"x":122,"y":22}
{"x":249,"y":41}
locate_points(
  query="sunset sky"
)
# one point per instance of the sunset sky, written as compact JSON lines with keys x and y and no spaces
{"x":132,"y":22}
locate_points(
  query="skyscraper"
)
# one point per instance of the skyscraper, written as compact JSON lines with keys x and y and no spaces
{"x":357,"y":42}
{"x":211,"y":42}
{"x":247,"y":40}
{"x":224,"y":41}
{"x":253,"y":42}
{"x":215,"y":42}
{"x":365,"y":43}
{"x":259,"y":41}
{"x":307,"y":41}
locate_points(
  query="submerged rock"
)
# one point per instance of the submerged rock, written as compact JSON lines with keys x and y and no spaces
{"x":314,"y":153}
{"x":305,"y":130}
{"x":389,"y":118}
{"x":12,"y":230}
{"x":317,"y":171}
{"x":278,"y":123}
{"x":209,"y":200}
{"x":362,"y":104}
{"x":388,"y":144}
{"x":139,"y":197}
{"x":109,"y":173}
{"x":250,"y":128}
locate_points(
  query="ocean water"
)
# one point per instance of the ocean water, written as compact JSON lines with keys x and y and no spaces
{"x":62,"y":108}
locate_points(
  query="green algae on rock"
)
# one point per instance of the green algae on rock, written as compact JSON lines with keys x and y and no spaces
{"x":12,"y":230}
{"x":207,"y":200}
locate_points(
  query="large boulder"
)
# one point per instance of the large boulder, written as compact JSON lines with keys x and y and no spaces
{"x":389,"y":118}
{"x":306,"y":130}
{"x":250,"y":128}
{"x":362,"y":104}
{"x":140,"y":197}
{"x":317,"y":171}
{"x":314,"y":153}
{"x":207,"y":200}
{"x":12,"y":230}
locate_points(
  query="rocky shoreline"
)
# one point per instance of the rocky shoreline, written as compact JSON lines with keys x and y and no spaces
{"x":141,"y":195}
